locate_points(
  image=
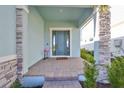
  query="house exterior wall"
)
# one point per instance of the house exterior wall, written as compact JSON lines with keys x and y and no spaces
{"x":7,"y":31}
{"x":35,"y":36}
{"x":88,"y":46}
{"x":8,"y":69}
{"x":76,"y":42}
{"x":117,"y":48}
{"x":75,"y":35}
{"x":8,"y":64}
{"x":25,"y":45}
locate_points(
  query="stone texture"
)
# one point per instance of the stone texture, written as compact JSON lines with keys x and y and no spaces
{"x":8,"y":73}
{"x":104,"y":45}
{"x":19,"y":41}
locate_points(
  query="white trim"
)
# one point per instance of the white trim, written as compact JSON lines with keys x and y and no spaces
{"x":7,"y":58}
{"x":59,"y":29}
{"x":88,"y":19}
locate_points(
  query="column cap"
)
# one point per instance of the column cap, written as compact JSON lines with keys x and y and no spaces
{"x":24,"y":7}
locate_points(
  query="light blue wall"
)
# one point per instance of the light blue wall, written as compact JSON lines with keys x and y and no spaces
{"x":7,"y":30}
{"x":75,"y":34}
{"x":50,"y":24}
{"x":75,"y":42}
{"x":25,"y":42}
{"x":35,"y":35}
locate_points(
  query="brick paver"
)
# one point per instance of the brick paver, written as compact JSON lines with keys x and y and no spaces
{"x":62,"y":84}
{"x":59,"y":73}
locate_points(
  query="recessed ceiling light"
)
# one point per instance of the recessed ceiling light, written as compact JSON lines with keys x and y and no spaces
{"x":61,"y":10}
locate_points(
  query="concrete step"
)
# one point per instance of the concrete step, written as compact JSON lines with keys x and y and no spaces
{"x":60,"y":78}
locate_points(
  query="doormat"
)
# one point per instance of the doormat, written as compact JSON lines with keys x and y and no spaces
{"x":61,"y":58}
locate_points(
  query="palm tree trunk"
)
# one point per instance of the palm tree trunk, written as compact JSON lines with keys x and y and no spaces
{"x":104,"y":43}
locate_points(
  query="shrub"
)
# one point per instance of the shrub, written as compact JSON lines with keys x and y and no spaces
{"x":90,"y":71}
{"x":91,"y":53}
{"x":83,"y":50}
{"x":87,"y":55}
{"x":90,"y":74}
{"x":116,"y":72}
{"x":16,"y":84}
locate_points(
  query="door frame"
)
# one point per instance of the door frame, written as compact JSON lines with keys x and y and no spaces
{"x":60,"y":29}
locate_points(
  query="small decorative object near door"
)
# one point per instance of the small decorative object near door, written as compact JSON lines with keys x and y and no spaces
{"x":46,"y":52}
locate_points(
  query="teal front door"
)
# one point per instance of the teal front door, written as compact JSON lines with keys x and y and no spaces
{"x":61,"y":43}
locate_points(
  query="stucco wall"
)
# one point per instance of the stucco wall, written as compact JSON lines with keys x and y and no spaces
{"x":25,"y":42}
{"x":8,"y":65}
{"x":76,"y":42}
{"x":7,"y":30}
{"x":35,"y":36}
{"x":75,"y":35}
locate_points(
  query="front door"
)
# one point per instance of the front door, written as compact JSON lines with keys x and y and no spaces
{"x":61,"y":43}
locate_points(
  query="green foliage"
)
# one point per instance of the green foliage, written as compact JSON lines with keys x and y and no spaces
{"x":116,"y":72}
{"x":87,"y":55}
{"x":91,"y":53}
{"x":90,"y":71}
{"x":16,"y":84}
{"x":83,"y":50}
{"x":90,"y":74}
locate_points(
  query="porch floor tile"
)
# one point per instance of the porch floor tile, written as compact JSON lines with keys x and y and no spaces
{"x":52,"y":68}
{"x":59,"y":73}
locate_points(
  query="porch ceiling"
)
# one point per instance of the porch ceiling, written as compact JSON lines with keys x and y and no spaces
{"x":77,"y":14}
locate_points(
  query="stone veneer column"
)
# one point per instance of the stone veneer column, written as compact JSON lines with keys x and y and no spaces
{"x":104,"y":43}
{"x":19,"y":41}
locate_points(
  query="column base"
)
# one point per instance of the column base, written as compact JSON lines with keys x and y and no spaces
{"x":103,"y":85}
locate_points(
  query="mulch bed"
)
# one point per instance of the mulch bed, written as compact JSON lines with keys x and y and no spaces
{"x":99,"y":85}
{"x":102,"y":85}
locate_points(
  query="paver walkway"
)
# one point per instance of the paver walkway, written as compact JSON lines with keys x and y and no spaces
{"x":59,"y":73}
{"x":62,"y":84}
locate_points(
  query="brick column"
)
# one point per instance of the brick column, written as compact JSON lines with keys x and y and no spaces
{"x":19,"y":37}
{"x":104,"y":43}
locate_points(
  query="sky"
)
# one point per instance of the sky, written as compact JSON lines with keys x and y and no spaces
{"x":117,"y":21}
